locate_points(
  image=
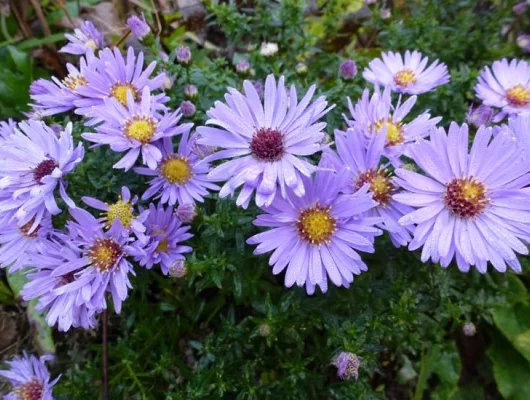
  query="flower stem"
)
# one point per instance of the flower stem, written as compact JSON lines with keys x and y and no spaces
{"x":105,"y":355}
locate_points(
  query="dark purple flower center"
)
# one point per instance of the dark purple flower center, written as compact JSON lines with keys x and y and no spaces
{"x":66,"y":279}
{"x":45,"y":168}
{"x":267,"y":145}
{"x":105,"y":254}
{"x":31,"y":390}
{"x":465,"y":197}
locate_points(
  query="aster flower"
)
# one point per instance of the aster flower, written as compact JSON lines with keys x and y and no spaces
{"x":7,"y":128}
{"x":123,"y":211}
{"x":66,"y":309}
{"x":364,"y":166}
{"x":112,"y":76}
{"x":98,"y":261}
{"x":179,"y":177}
{"x":318,"y":235}
{"x":33,"y":163}
{"x":58,"y":96}
{"x":470,"y":207}
{"x":85,"y":40}
{"x":29,"y":377}
{"x":408,"y":74}
{"x":347,"y":365}
{"x":266,"y":142}
{"x":17,"y":242}
{"x":377,"y":114}
{"x":505,"y":85}
{"x":135,"y":128}
{"x":138,"y":26}
{"x":166,"y":234}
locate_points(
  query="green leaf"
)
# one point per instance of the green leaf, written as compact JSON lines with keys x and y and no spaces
{"x":36,"y":42}
{"x":510,"y":368}
{"x":514,"y":323}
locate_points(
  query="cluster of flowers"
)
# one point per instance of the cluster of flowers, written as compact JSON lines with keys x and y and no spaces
{"x":469,"y":206}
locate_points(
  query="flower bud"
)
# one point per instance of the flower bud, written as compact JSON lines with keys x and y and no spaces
{"x":187,"y":108}
{"x":348,"y":69}
{"x":184,"y":55}
{"x":347,"y":366}
{"x":178,"y":269}
{"x":138,"y":26}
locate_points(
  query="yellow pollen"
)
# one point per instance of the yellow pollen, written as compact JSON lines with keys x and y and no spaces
{"x":104,"y":254}
{"x":404,"y":78}
{"x":72,"y":82}
{"x":162,"y":245}
{"x":119,"y":92}
{"x":121,"y":210}
{"x":466,"y":197}
{"x":381,"y":186}
{"x":140,"y":128}
{"x":176,"y":169}
{"x":394,"y":131}
{"x":316,"y":225}
{"x":91,"y":44}
{"x":518,"y":96}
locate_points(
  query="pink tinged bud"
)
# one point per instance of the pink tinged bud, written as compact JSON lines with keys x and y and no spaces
{"x":469,"y":329}
{"x":386,"y":13}
{"x":178,"y":269}
{"x":186,"y":213}
{"x":242,"y":67}
{"x":183,"y":55}
{"x":190,"y":91}
{"x":187,"y":108}
{"x":348,"y":69}
{"x":482,"y":115}
{"x":520,"y":7}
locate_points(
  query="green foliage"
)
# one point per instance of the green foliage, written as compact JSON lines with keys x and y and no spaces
{"x":230,"y":329}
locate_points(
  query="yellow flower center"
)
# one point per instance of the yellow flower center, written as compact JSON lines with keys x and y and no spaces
{"x":404,"y":78}
{"x":104,"y":254}
{"x":176,"y":169}
{"x":31,"y":390}
{"x":316,"y":225}
{"x":162,"y":245}
{"x":72,"y":82}
{"x":394,"y":131}
{"x":518,"y":96}
{"x":91,"y":44}
{"x":465,"y":197}
{"x":381,"y":186}
{"x":122,"y":211}
{"x":140,"y":128}
{"x":119,"y":92}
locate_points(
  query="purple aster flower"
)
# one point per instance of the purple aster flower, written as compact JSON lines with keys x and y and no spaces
{"x":98,"y":261}
{"x":363,"y":165}
{"x":507,"y":86}
{"x":29,"y":377}
{"x":66,"y":309}
{"x":179,"y":177}
{"x":318,"y":235}
{"x":17,"y":242}
{"x":166,"y":233}
{"x":7,"y":128}
{"x":123,"y":211}
{"x":85,"y":40}
{"x":183,"y":55}
{"x":187,"y":108}
{"x":348,"y":69}
{"x":138,"y":26}
{"x":407,"y":75}
{"x":33,"y":163}
{"x":242,"y":67}
{"x":481,"y":115}
{"x":201,"y":150}
{"x":190,"y":91}
{"x":473,"y":207}
{"x":186,"y":213}
{"x":377,"y":114}
{"x":112,"y":76}
{"x":265,"y":141}
{"x":178,"y":269}
{"x":58,"y":96}
{"x":520,"y":7}
{"x":347,"y":365}
{"x":134,"y":129}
